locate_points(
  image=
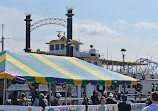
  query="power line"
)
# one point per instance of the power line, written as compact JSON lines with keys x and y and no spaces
{"x":11,"y":47}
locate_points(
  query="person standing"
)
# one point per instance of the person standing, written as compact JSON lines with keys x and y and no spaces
{"x":42,"y":102}
{"x":110,"y":100}
{"x":102,"y":104}
{"x":123,"y":106}
{"x":154,"y":105}
{"x":56,"y":100}
{"x":94,"y":98}
{"x":35,"y":100}
{"x":14,"y":97}
{"x":23,"y":100}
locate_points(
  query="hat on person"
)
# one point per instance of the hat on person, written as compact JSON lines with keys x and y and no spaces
{"x":58,"y":95}
{"x":111,"y":95}
{"x":41,"y":95}
{"x":22,"y":94}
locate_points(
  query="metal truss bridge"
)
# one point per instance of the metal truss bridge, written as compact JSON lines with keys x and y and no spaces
{"x":140,"y":66}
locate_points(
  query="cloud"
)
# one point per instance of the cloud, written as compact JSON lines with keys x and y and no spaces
{"x":14,"y":28}
{"x":120,"y":22}
{"x":98,"y":32}
{"x":94,"y":28}
{"x":87,"y":31}
{"x":146,"y":25}
{"x":13,"y":20}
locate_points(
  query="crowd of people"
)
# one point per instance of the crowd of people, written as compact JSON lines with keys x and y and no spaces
{"x":122,"y":106}
{"x":40,"y":99}
{"x":152,"y":103}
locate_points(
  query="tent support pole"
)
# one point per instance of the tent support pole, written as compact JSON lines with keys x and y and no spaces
{"x":4,"y":83}
{"x":6,"y":90}
{"x":120,"y":90}
{"x":85,"y":99}
{"x":66,"y":95}
{"x":139,"y":97}
{"x":124,"y":90}
{"x":49,"y":90}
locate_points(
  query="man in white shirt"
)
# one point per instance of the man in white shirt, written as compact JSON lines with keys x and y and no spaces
{"x":154,"y":105}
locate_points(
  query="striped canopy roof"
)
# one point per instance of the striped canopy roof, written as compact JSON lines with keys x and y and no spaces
{"x":56,"y":69}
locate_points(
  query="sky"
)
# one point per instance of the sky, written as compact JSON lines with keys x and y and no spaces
{"x":109,"y":25}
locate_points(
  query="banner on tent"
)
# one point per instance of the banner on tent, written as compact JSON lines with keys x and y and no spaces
{"x":66,"y":108}
{"x":19,"y":108}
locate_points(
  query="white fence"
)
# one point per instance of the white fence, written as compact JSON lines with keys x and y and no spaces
{"x":110,"y":107}
{"x":137,"y":107}
{"x":19,"y":108}
{"x":65,"y":108}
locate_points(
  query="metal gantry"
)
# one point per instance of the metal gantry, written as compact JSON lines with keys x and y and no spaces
{"x":150,"y":68}
{"x":142,"y":65}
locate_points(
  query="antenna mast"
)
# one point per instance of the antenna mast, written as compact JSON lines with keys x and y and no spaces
{"x":59,"y":34}
{"x":2,"y":38}
{"x":2,"y":41}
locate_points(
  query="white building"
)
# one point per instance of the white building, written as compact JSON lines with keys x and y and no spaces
{"x":58,"y":47}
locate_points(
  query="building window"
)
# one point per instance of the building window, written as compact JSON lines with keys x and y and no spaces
{"x":51,"y":47}
{"x":57,"y":47}
{"x":77,"y":47}
{"x":62,"y":46}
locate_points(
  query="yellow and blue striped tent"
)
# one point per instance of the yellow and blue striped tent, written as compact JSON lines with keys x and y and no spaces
{"x":41,"y":68}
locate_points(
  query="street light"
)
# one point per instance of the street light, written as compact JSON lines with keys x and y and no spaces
{"x":123,"y":55}
{"x":123,"y":71}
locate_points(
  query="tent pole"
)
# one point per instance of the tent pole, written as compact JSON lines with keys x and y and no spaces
{"x":49,"y":90}
{"x":85,"y":99}
{"x":120,"y":90}
{"x":4,"y":83}
{"x":66,"y":95}
{"x":6,"y":90}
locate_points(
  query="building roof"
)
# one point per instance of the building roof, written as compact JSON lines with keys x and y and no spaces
{"x":64,"y":40}
{"x":112,"y":62}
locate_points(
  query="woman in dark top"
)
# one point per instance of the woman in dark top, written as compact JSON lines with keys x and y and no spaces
{"x":14,"y":97}
{"x":124,"y":106}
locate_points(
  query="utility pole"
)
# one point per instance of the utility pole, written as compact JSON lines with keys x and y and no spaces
{"x":2,"y":42}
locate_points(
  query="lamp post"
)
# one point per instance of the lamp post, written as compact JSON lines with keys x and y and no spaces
{"x":123,"y":55}
{"x":123,"y":71}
